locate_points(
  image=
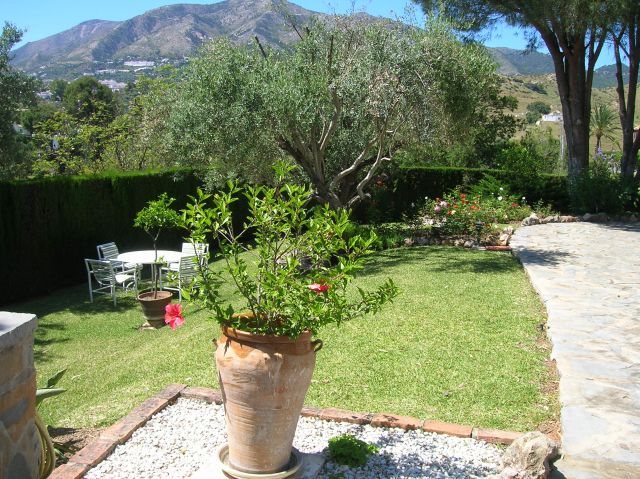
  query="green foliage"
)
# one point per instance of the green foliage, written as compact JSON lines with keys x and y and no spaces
{"x":536,"y":109}
{"x":88,"y":99}
{"x":50,"y":389}
{"x":17,"y":91}
{"x":156,"y":216}
{"x":74,"y":214}
{"x":301,"y":261}
{"x":407,"y":188}
{"x":339,"y":103}
{"x":598,"y":189}
{"x":536,"y":87}
{"x":350,"y":451}
{"x":604,"y":124}
{"x":459,"y":213}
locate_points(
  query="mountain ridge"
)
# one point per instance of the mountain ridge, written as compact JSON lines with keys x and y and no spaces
{"x":170,"y":33}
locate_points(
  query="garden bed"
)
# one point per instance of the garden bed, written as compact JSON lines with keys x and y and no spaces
{"x":165,"y":438}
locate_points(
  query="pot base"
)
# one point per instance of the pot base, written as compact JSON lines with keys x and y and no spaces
{"x":222,"y":456}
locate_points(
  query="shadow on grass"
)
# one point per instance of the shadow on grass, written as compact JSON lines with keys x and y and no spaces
{"x":442,"y":259}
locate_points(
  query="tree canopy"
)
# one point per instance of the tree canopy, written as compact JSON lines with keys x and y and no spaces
{"x":17,"y":91}
{"x":340,"y":102}
{"x":574,"y":32}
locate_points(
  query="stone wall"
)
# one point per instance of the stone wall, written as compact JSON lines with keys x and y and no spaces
{"x":19,"y":441}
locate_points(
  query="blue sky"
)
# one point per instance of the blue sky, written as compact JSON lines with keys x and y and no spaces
{"x":41,"y":18}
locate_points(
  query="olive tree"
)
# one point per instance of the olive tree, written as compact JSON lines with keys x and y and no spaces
{"x":340,"y":102}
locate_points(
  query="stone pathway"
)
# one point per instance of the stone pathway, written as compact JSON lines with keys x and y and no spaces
{"x":588,"y":276}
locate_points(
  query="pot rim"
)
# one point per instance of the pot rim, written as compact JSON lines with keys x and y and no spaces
{"x":161,"y":296}
{"x":241,"y":335}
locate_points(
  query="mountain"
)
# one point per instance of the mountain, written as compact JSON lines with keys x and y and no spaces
{"x":73,"y":44}
{"x":110,"y":50}
{"x":171,"y":32}
{"x":517,"y":62}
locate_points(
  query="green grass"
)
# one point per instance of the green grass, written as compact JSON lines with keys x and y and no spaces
{"x":460,"y":344}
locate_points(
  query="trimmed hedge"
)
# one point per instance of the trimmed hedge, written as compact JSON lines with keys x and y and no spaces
{"x":393,"y":196}
{"x":48,"y":226}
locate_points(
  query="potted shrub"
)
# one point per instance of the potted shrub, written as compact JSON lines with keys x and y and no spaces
{"x":291,"y":264}
{"x":153,"y":218}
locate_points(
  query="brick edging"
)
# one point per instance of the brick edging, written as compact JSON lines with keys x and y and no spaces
{"x":94,"y":452}
{"x":90,"y":455}
{"x":494,"y":436}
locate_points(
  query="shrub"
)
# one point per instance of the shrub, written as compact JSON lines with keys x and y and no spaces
{"x":598,"y":189}
{"x":350,"y":451}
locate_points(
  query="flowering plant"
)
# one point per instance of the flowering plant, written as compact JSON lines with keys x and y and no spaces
{"x":290,"y":262}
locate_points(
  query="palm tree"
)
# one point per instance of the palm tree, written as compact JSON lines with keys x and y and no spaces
{"x":603,"y":125}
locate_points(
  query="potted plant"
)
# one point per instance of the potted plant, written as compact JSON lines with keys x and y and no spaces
{"x":153,"y":218}
{"x":291,"y":264}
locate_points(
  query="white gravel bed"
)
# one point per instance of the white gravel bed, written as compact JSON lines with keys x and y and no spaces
{"x":180,"y":439}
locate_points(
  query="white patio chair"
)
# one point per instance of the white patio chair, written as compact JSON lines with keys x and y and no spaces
{"x":107,"y":277}
{"x":109,"y":252}
{"x":187,"y":271}
{"x":201,"y":250}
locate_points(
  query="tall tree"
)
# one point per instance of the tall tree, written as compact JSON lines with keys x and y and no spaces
{"x":88,"y":99}
{"x":603,"y":125}
{"x":17,"y":91}
{"x":625,"y":34}
{"x":340,"y":102}
{"x":573,"y":32}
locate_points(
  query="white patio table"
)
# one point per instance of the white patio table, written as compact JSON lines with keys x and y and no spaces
{"x":148,"y":256}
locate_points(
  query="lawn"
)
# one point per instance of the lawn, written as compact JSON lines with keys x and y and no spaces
{"x":462,"y":343}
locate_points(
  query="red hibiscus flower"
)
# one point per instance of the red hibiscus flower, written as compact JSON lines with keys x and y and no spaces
{"x":318,"y":287}
{"x":173,"y":315}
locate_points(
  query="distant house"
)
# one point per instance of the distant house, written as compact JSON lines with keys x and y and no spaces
{"x":45,"y":95}
{"x":139,"y":64}
{"x":554,"y":117}
{"x":113,"y":85}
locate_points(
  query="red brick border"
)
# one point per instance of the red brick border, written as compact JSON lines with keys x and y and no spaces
{"x":121,"y":431}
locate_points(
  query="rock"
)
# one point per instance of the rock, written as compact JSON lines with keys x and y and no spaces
{"x":550,"y":219}
{"x":408,"y":242}
{"x":503,"y":240}
{"x":568,"y":219}
{"x":633,"y":219}
{"x":458,"y":242}
{"x":586,"y":217}
{"x":531,"y":220}
{"x":508,"y":230}
{"x":421,"y":241}
{"x":469,"y":244}
{"x":529,"y":457}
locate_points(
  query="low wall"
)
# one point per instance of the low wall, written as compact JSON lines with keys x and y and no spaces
{"x":19,"y":441}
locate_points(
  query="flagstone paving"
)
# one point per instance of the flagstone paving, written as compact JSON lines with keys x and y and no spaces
{"x":588,"y":276}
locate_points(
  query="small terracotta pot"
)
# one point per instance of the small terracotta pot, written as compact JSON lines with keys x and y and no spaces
{"x":264,"y":380}
{"x":153,"y":308}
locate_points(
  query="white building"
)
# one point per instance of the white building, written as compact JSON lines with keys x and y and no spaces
{"x":114,"y":85}
{"x":554,"y":117}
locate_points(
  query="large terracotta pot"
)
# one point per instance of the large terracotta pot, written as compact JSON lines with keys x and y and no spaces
{"x":264,"y":380}
{"x":153,"y":308}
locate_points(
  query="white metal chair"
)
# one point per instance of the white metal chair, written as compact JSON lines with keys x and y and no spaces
{"x":107,"y":277}
{"x":201,"y":250}
{"x":109,"y":252}
{"x":186,"y":273}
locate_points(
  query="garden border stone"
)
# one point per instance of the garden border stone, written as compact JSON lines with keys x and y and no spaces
{"x":122,"y":430}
